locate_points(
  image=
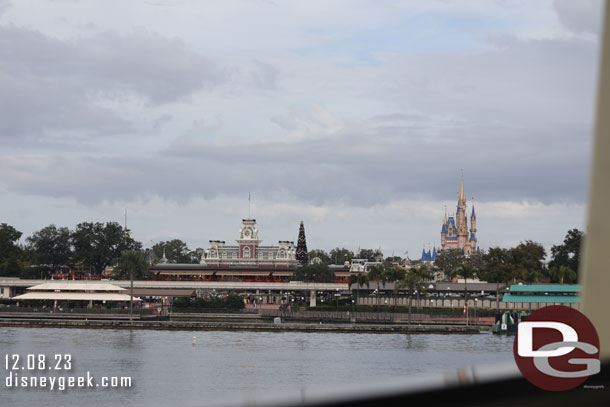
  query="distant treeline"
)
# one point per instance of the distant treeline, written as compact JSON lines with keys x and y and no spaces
{"x":91,"y":247}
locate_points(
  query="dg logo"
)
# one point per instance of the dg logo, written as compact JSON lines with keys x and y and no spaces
{"x":557,"y":348}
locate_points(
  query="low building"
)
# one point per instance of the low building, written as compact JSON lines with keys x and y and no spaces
{"x":76,"y":291}
{"x":534,"y":296}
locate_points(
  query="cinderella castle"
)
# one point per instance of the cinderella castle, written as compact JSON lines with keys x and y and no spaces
{"x":454,"y":232}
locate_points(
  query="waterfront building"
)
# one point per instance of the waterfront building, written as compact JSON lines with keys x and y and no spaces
{"x":540,"y":295}
{"x":454,"y":232}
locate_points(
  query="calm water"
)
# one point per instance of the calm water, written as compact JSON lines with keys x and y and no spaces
{"x":166,"y":367}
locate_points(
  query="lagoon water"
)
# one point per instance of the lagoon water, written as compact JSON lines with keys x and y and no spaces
{"x":168,"y":369}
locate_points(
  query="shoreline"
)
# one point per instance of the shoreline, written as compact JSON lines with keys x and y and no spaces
{"x":237,"y":326}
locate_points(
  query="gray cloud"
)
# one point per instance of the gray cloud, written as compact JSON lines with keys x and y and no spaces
{"x":4,"y":5}
{"x":364,"y":169}
{"x":516,"y":83}
{"x":264,"y":75}
{"x":54,"y":88}
{"x":583,"y":16}
{"x":516,"y":117}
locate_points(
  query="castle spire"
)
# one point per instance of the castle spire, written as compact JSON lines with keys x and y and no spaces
{"x":445,"y":223}
{"x":462,"y":196}
{"x":473,"y":215}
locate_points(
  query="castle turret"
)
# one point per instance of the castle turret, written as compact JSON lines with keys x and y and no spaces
{"x":473,"y":230}
{"x":454,"y":232}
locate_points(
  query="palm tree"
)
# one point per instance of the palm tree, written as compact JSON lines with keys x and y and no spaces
{"x":359,"y":279}
{"x":412,"y":281}
{"x":497,"y":269}
{"x":376,"y":274}
{"x":394,"y":274}
{"x":131,"y":262}
{"x":466,"y":271}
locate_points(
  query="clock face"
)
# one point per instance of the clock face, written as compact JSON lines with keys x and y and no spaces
{"x":247,"y":232}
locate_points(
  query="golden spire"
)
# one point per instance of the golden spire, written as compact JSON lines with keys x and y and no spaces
{"x":445,"y":223}
{"x":462,"y":196}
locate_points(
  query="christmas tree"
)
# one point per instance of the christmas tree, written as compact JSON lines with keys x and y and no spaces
{"x":301,"y":254}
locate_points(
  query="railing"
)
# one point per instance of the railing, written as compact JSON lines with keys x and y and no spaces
{"x":373,"y":317}
{"x":13,"y":309}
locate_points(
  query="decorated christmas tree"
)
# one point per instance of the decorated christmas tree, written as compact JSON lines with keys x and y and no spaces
{"x":301,"y":254}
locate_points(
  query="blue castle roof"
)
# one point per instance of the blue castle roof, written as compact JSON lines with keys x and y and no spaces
{"x":451,"y":222}
{"x":472,"y":237}
{"x":427,"y":255}
{"x":473,"y":216}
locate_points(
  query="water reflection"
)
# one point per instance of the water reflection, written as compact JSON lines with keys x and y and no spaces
{"x":166,"y":367}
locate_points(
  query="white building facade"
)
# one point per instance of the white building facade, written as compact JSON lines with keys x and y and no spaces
{"x":249,"y":250}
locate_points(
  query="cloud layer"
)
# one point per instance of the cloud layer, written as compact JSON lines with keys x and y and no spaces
{"x":319,"y":105}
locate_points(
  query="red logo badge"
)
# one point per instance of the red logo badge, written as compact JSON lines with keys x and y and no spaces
{"x":557,"y":348}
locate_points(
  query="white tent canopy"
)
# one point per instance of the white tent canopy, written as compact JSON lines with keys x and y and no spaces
{"x":77,"y":291}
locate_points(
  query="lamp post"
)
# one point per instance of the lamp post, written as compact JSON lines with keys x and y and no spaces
{"x":131,"y":297}
{"x":337,"y":297}
{"x":476,"y":300}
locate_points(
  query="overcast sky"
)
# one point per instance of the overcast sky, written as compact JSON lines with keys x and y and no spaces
{"x":353,"y":116}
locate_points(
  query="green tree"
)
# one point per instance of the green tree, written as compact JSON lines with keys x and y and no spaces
{"x":413,"y":282}
{"x":466,"y":271}
{"x":132,"y":263}
{"x":12,"y":256}
{"x":341,"y":255}
{"x":8,"y":241}
{"x":51,"y":247}
{"x":393,"y":259}
{"x":562,"y":274}
{"x":527,"y":260}
{"x":97,"y":245}
{"x":176,"y":251}
{"x":449,"y":261}
{"x":497,"y":269}
{"x":370,"y":254}
{"x":476,"y":260}
{"x":234,"y":301}
{"x":322,"y":255}
{"x":376,"y":273}
{"x":359,"y":280}
{"x":301,"y":251}
{"x":394,"y":274}
{"x":566,"y":255}
{"x":195,"y":255}
{"x":314,"y":273}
